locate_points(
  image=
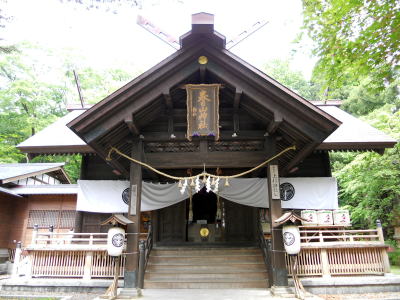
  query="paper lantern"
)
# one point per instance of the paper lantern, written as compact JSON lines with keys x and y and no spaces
{"x":310,"y":216}
{"x":291,"y":239}
{"x":325,"y":217}
{"x":341,"y":217}
{"x":115,"y":241}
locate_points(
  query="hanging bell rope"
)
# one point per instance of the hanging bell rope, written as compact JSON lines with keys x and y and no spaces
{"x":204,"y":174}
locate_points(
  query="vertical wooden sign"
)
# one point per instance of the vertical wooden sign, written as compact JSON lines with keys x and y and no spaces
{"x":202,"y":110}
{"x":275,"y":191}
{"x":132,"y":207}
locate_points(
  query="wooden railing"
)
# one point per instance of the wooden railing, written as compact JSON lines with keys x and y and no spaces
{"x":265,"y":245}
{"x":85,"y":264}
{"x":336,"y":251}
{"x":68,"y":238}
{"x":324,"y":252}
{"x":145,"y":247}
{"x":67,"y":255}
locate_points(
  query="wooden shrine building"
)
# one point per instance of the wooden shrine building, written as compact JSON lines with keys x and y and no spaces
{"x":255,"y":119}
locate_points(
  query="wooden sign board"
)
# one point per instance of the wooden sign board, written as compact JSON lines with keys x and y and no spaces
{"x":275,"y":190}
{"x":132,"y":206}
{"x":202,"y":110}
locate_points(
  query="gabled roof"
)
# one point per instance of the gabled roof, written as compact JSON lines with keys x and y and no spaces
{"x":51,"y":189}
{"x":139,"y":104}
{"x":354,"y":134}
{"x":9,"y":192}
{"x":112,"y":121}
{"x":14,"y":172}
{"x":56,"y":138}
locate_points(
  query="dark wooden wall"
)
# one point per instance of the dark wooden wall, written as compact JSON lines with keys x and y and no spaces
{"x":95,"y":168}
{"x":315,"y":165}
{"x":91,"y":222}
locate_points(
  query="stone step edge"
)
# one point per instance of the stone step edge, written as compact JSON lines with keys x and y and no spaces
{"x":204,"y":281}
{"x":205,"y":248}
{"x":209,"y":255}
{"x":213,"y":273}
{"x":231,"y":264}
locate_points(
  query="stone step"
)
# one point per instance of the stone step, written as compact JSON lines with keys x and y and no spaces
{"x":206,"y":268}
{"x":207,"y":251}
{"x":213,"y":268}
{"x":205,"y":285}
{"x":235,"y":276}
{"x":204,"y":259}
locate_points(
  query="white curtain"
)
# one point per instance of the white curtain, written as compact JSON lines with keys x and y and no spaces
{"x":105,"y":196}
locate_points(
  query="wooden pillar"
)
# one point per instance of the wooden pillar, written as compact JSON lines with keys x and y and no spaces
{"x":385,"y":257}
{"x":133,"y":230}
{"x":78,"y":224}
{"x":279,"y":276}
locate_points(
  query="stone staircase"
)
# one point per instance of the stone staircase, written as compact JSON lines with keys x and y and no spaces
{"x":205,"y":268}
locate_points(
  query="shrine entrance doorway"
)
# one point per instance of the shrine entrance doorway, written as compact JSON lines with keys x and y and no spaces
{"x":215,"y":221}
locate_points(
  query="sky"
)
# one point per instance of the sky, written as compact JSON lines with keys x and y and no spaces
{"x":113,"y":40}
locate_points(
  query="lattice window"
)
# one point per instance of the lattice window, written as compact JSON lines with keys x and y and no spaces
{"x":56,"y":218}
{"x":67,"y":219}
{"x":171,"y":147}
{"x":237,"y":146}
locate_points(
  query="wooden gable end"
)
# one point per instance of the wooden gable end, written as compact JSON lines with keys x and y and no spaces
{"x":252,"y":107}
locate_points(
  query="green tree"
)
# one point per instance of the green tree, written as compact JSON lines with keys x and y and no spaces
{"x":367,"y":97}
{"x":96,"y":84}
{"x":370,"y":182}
{"x":35,"y":84}
{"x":4,"y":19}
{"x":354,"y":38}
{"x":27,"y":102}
{"x":280,"y":70}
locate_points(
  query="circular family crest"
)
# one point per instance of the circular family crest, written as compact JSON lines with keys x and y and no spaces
{"x":117,"y":240}
{"x":288,"y":238}
{"x":287,"y":191}
{"x":204,"y":232}
{"x":125,"y":196}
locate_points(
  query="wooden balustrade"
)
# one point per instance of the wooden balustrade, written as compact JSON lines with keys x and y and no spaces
{"x":65,"y":238}
{"x":73,"y":264}
{"x":324,"y":252}
{"x":69,"y":255}
{"x":340,"y":252}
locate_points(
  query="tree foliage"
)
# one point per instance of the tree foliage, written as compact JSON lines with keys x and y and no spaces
{"x":35,"y":86}
{"x":96,"y":84}
{"x":370,"y":182}
{"x":281,"y":71}
{"x":354,"y":38}
{"x":4,"y":19}
{"x":28,"y":102}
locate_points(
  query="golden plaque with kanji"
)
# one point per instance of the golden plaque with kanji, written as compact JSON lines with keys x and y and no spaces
{"x":202,"y":110}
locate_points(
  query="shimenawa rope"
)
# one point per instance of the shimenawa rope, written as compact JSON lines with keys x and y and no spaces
{"x":204,"y":173}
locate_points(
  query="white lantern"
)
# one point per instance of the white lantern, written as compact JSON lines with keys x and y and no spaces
{"x":115,"y":241}
{"x":291,"y":239}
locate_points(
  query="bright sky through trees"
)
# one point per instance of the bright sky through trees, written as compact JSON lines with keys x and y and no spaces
{"x":110,"y":39}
